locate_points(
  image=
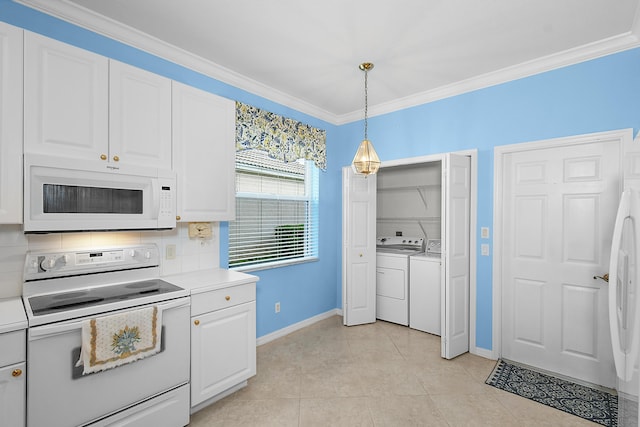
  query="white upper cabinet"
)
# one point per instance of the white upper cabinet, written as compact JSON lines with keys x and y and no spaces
{"x":10,"y":124}
{"x":139,"y":116}
{"x":204,"y":154}
{"x":82,"y":105}
{"x":66,"y":99}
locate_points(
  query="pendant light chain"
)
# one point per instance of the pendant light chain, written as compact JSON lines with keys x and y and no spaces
{"x":366,"y":102}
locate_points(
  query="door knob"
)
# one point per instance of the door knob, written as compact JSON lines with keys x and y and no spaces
{"x":604,"y":277}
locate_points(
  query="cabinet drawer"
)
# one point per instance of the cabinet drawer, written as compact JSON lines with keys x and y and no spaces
{"x":12,"y":348}
{"x":222,"y":298}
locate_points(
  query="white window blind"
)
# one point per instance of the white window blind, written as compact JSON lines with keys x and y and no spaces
{"x":276,"y":212}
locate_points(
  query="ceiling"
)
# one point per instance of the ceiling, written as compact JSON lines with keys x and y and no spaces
{"x":305,"y":54}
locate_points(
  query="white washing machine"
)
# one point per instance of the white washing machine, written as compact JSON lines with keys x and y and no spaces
{"x":424,"y":289}
{"x":392,"y":276}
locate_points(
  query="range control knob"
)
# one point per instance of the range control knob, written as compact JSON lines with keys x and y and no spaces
{"x":48,"y":263}
{"x":132,"y":253}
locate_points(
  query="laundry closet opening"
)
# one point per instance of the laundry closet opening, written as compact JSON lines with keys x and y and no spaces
{"x":389,"y":221}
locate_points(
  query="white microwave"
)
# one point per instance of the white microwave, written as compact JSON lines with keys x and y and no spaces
{"x":65,"y":195}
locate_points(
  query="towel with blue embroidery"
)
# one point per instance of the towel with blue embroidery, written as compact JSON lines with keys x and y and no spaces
{"x":114,"y":340}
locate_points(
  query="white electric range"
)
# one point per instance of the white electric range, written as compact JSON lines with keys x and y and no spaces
{"x":63,"y":292}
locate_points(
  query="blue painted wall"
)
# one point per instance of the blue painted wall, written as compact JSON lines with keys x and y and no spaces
{"x":590,"y":97}
{"x":594,"y":96}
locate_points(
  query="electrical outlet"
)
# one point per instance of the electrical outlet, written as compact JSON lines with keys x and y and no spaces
{"x":278,"y":307}
{"x":170,"y":252}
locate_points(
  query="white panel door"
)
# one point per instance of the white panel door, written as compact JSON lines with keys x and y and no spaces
{"x":10,"y":124}
{"x":559,"y":206}
{"x":358,"y":248}
{"x":139,"y":117}
{"x":456,"y":193}
{"x":66,"y":99}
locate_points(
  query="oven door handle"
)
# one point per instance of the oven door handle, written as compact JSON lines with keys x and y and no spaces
{"x":62,"y":327}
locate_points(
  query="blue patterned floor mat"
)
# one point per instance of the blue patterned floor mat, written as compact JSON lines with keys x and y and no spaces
{"x":589,"y":403}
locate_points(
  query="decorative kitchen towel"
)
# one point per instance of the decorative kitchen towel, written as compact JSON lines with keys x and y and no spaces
{"x":111,"y":341}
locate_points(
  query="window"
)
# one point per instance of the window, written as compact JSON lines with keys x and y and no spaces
{"x":276,"y":212}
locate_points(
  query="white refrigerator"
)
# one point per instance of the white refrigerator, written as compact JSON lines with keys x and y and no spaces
{"x":624,"y":305}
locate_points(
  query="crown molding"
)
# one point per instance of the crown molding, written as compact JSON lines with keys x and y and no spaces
{"x":540,"y":65}
{"x":97,"y":23}
{"x":85,"y":18}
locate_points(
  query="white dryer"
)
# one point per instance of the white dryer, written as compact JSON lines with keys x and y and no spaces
{"x":392,"y":276}
{"x":424,"y":289}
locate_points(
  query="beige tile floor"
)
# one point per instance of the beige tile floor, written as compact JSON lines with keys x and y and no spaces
{"x":380,"y":374}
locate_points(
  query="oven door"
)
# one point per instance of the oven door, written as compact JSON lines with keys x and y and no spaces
{"x":58,"y":393}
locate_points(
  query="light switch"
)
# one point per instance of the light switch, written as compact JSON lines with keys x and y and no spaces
{"x":484,"y":249}
{"x":484,"y":232}
{"x":201,"y":230}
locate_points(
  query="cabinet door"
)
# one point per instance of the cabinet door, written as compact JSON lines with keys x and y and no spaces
{"x":12,"y":395}
{"x":139,"y":116}
{"x":10,"y":124}
{"x":204,"y":154}
{"x":223,"y":350}
{"x":65,"y":99}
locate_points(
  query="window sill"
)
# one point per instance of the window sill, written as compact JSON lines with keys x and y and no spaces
{"x":276,"y":264}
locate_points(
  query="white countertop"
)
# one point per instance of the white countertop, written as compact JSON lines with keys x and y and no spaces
{"x":208,"y":280}
{"x":12,"y":315}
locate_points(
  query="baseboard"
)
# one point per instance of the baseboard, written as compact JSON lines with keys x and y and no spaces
{"x":483,"y":352}
{"x":296,"y":326}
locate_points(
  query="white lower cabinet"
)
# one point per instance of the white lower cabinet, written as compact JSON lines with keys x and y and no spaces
{"x":13,"y":384}
{"x":223,"y":340}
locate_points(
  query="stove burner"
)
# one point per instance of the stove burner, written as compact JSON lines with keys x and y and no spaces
{"x":146,"y":284}
{"x":75,"y":303}
{"x":55,"y":303}
{"x":68,"y":295}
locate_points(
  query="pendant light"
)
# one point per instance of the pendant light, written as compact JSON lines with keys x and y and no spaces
{"x":366,"y":160}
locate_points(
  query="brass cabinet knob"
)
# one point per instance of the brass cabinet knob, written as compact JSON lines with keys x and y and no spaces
{"x":227,"y":297}
{"x":177,"y":217}
{"x":196,"y":322}
{"x":16,"y":372}
{"x":116,"y":158}
{"x":103,"y":157}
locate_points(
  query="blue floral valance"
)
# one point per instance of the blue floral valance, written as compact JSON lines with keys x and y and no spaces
{"x":282,"y":138}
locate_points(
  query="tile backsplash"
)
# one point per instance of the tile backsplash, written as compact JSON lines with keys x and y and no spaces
{"x":191,"y":254}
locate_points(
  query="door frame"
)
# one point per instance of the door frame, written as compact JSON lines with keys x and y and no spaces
{"x":473,"y":219}
{"x":622,"y":135}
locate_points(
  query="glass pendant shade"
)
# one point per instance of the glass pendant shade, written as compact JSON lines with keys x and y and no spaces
{"x":366,"y":160}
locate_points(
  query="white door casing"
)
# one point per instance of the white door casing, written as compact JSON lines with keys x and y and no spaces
{"x":358,"y":248}
{"x":455,"y":277}
{"x":555,"y":204}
